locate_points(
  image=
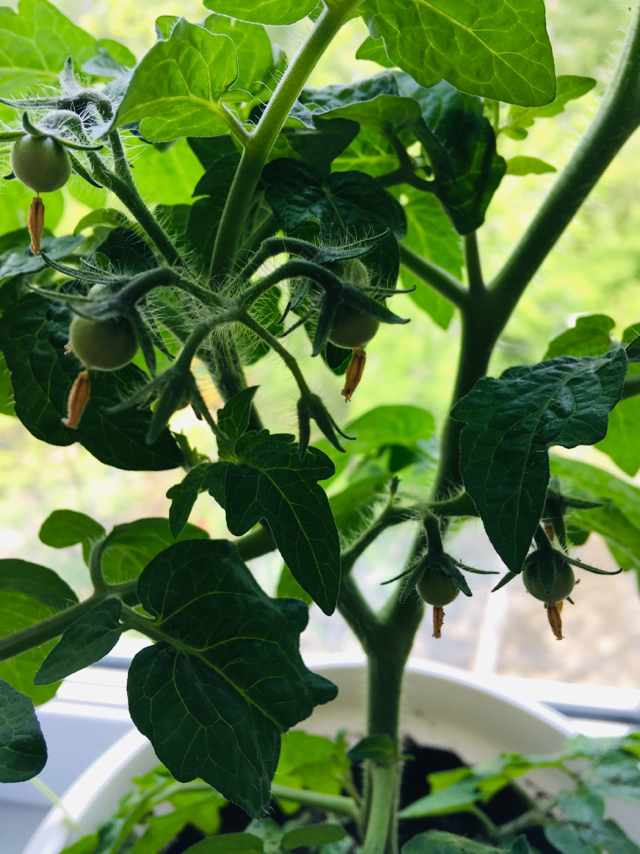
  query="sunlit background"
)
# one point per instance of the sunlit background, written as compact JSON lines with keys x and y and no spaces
{"x":595,"y":268}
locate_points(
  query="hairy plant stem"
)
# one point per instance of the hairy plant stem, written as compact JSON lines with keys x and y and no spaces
{"x":277,"y":347}
{"x":125,"y":190}
{"x":444,"y":283}
{"x":259,"y":143}
{"x":336,"y":804}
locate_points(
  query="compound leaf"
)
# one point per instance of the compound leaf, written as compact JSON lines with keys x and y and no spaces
{"x":216,"y":692}
{"x":510,"y":424}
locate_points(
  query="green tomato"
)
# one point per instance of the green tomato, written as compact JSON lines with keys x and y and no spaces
{"x":351,"y":328}
{"x":563,"y":584}
{"x":40,"y":162}
{"x":102,"y":344}
{"x":437,"y":588}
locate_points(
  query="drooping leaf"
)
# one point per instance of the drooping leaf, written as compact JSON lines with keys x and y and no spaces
{"x":183,"y":496}
{"x":621,"y":442}
{"x":273,"y":12}
{"x":498,"y":50}
{"x":64,"y":528}
{"x":430,"y":233}
{"x":273,"y":483}
{"x":37,"y":582}
{"x":589,"y":337}
{"x":528,"y":166}
{"x":131,"y":546}
{"x":227,"y":678}
{"x":23,"y":752}
{"x":19,"y":611}
{"x":33,"y":335}
{"x":510,"y":424}
{"x":461,"y":145}
{"x":569,"y":87}
{"x":85,"y":641}
{"x":177,"y":88}
{"x":34,"y":44}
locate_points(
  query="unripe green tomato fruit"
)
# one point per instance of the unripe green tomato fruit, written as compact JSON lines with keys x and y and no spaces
{"x":40,"y":162}
{"x":562,"y":586}
{"x":351,"y":328}
{"x":102,"y":344}
{"x":437,"y":588}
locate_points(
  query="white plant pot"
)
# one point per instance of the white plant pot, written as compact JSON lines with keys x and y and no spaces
{"x":442,"y":706}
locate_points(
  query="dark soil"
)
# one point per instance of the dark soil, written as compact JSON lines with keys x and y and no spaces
{"x":503,"y":807}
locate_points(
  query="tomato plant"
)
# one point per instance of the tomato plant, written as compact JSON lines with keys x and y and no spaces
{"x":258,"y":207}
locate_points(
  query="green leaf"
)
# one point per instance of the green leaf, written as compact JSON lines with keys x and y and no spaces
{"x":368,"y":152}
{"x":589,"y":337}
{"x":586,"y":830}
{"x":183,"y":496}
{"x":229,"y":843}
{"x":374,"y":103}
{"x":274,"y":484}
{"x":498,"y":50}
{"x":202,"y":810}
{"x":37,"y":582}
{"x":102,"y":218}
{"x":165,"y":177}
{"x":430,"y":233}
{"x":569,"y":88}
{"x":34,"y":44}
{"x":288,"y":587}
{"x":528,"y":166}
{"x":274,"y":12}
{"x":344,"y":201}
{"x":378,"y":748}
{"x":64,"y":528}
{"x":233,"y":419}
{"x":318,"y":141}
{"x":510,"y":424}
{"x":23,"y":752}
{"x":57,"y":248}
{"x":33,"y":335}
{"x":131,"y":546}
{"x":312,"y":762}
{"x":352,"y":506}
{"x":6,"y":392}
{"x":461,"y":145}
{"x":227,"y":678}
{"x":178,"y":87}
{"x":253,"y":50}
{"x":312,"y":835}
{"x":461,"y":797}
{"x":19,"y":611}
{"x":87,"y":640}
{"x":440,"y":842}
{"x":621,"y":443}
{"x":373,"y":50}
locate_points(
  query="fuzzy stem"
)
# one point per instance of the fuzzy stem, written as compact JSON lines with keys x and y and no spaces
{"x":442,"y":282}
{"x":336,"y":804}
{"x":259,"y":143}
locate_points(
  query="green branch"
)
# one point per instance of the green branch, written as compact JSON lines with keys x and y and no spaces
{"x":259,"y":143}
{"x":336,"y":804}
{"x":474,"y":268}
{"x":444,"y":283}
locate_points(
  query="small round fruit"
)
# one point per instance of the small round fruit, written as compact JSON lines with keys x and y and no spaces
{"x":351,"y":328}
{"x":563,"y":584}
{"x":437,"y":588}
{"x":102,"y":344}
{"x":40,"y":162}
